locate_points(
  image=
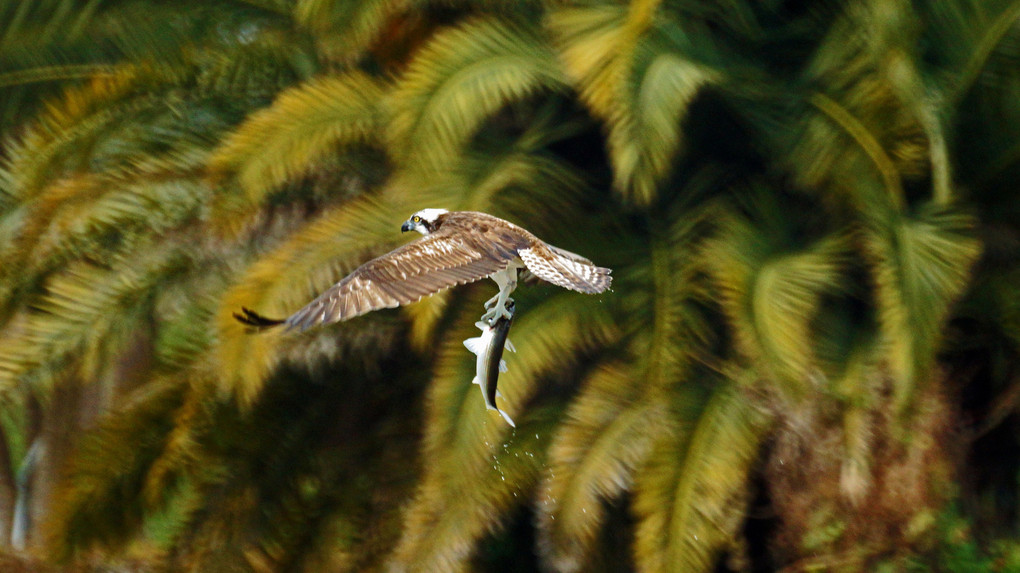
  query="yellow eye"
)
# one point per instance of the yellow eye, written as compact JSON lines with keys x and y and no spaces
{"x":416,"y":219}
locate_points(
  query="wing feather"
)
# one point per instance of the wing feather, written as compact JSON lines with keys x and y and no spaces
{"x":467,"y":247}
{"x":571,"y":272}
{"x":385,"y":292}
{"x":453,"y":255}
{"x":568,"y":254}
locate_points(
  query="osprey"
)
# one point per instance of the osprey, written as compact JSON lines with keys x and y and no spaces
{"x":458,"y":247}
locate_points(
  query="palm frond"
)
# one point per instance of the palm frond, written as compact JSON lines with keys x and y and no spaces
{"x":870,"y":115}
{"x":771,"y":291}
{"x":619,"y":412}
{"x":592,"y":459}
{"x":921,"y":266}
{"x":523,"y":180}
{"x":982,"y":30}
{"x":688,"y":495}
{"x":508,"y":166}
{"x":53,"y":73}
{"x":97,"y":216}
{"x":43,"y":150}
{"x":867,"y":142}
{"x":185,"y":307}
{"x":504,"y":182}
{"x":183,"y":451}
{"x":78,"y":305}
{"x":980,"y":82}
{"x":177,"y":91}
{"x":290,"y":138}
{"x":635,"y":71}
{"x":101,"y":502}
{"x":681,"y":330}
{"x":462,"y":77}
{"x":85,"y":215}
{"x":445,"y":520}
{"x":298,"y":480}
{"x":349,"y":28}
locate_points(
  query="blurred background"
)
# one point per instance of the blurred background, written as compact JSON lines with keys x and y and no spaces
{"x":808,"y":360}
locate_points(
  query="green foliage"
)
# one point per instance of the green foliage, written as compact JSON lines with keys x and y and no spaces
{"x":461,"y":77}
{"x":807,"y":209}
{"x":638,"y":72}
{"x":689,"y":495}
{"x":110,"y":471}
{"x":347,"y":28}
{"x":771,"y":290}
{"x":922,"y":267}
{"x":320,"y":115}
{"x":606,"y":435}
{"x":958,"y":551}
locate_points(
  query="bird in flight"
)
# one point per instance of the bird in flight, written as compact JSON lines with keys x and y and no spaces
{"x":457,"y":247}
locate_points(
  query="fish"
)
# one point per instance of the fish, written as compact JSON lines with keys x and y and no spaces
{"x":489,"y":349}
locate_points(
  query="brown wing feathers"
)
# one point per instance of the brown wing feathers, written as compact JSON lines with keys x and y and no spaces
{"x":404,"y":275}
{"x":576,"y":274}
{"x":466,"y":247}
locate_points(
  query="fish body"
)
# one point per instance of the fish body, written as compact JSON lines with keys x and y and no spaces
{"x":489,"y":349}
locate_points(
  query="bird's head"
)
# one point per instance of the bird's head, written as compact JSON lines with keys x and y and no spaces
{"x":424,"y":221}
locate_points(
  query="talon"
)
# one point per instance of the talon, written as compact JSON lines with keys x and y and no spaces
{"x":495,"y":311}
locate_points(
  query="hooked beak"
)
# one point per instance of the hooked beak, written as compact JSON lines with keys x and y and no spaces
{"x":407,"y":226}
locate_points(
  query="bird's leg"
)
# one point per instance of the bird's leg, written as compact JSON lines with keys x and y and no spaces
{"x":496,"y":306}
{"x":491,"y":302}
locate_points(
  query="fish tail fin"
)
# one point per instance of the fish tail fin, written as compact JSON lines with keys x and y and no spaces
{"x":493,"y":406}
{"x":507,"y":418}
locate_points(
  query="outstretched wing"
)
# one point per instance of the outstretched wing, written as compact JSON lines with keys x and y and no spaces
{"x":449,"y":257}
{"x":565,"y":269}
{"x":568,"y":254}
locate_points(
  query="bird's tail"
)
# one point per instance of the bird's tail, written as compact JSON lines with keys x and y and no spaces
{"x":255,"y":320}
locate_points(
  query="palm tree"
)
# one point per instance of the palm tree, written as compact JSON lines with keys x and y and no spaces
{"x":812,"y":264}
{"x":103,"y":198}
